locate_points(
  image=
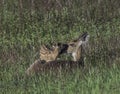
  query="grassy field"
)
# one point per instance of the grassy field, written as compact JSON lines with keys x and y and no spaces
{"x":21,"y":35}
{"x":100,"y":75}
{"x":91,"y":80}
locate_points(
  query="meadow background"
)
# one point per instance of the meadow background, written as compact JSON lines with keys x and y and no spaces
{"x":26,"y":24}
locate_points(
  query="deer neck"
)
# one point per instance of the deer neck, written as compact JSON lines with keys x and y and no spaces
{"x":74,"y":54}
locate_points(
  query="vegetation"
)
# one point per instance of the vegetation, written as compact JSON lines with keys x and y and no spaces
{"x":26,"y":24}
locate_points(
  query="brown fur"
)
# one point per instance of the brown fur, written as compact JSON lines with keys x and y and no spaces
{"x":34,"y":67}
{"x":38,"y":66}
{"x":51,"y":54}
{"x":74,"y":47}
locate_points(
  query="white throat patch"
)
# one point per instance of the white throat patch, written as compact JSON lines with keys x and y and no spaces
{"x":74,"y":56}
{"x":80,"y":43}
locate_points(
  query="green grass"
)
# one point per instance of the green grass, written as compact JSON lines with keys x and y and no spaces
{"x":22,"y":35}
{"x":91,"y":80}
{"x":101,"y":74}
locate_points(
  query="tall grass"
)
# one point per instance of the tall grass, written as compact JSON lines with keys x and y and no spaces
{"x":91,"y":80}
{"x":22,"y":33}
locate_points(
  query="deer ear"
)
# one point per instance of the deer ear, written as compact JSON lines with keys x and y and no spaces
{"x":85,"y":38}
